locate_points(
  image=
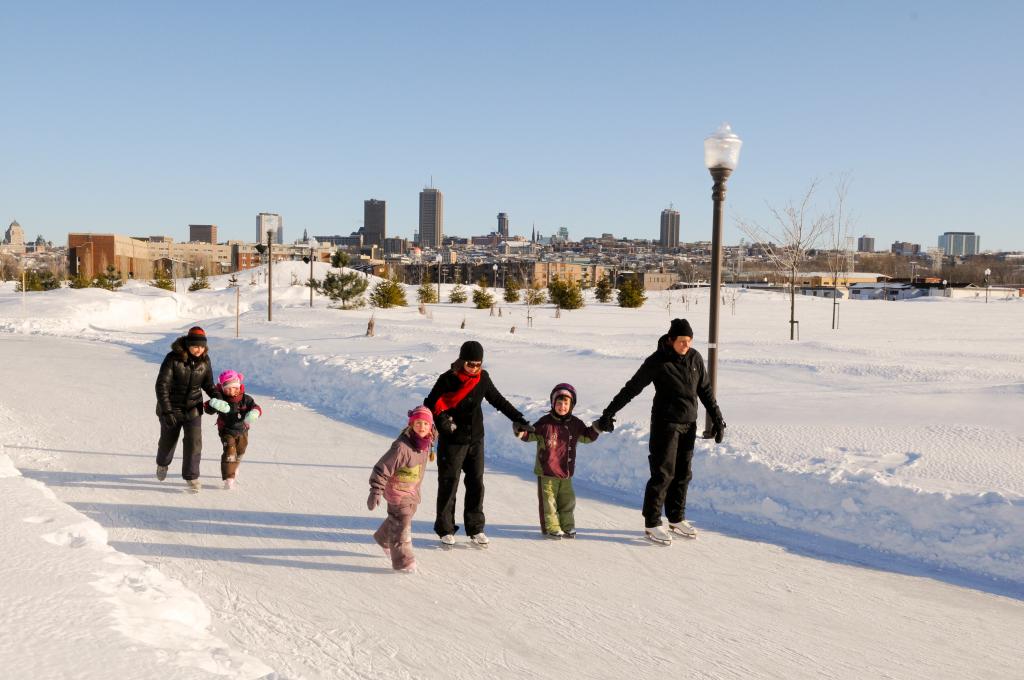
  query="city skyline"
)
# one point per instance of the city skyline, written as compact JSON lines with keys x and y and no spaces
{"x":910,"y":101}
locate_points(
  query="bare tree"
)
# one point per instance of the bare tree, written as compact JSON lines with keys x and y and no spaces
{"x":838,"y":257}
{"x":795,"y":232}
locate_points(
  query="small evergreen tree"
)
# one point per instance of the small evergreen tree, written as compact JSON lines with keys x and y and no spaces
{"x":512,"y":290}
{"x":79,"y":281}
{"x":631,"y":294}
{"x":38,"y":281}
{"x":339,"y":258}
{"x":481,"y":298}
{"x":458,"y":295}
{"x":388,"y":293}
{"x":603,"y":289}
{"x":566,"y":294}
{"x":426,"y":293}
{"x":199,"y":281}
{"x":163,"y":280}
{"x":108,"y":280}
{"x":536,"y":295}
{"x":347,"y":288}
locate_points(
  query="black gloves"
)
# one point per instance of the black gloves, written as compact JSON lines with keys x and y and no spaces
{"x":606,"y":423}
{"x":521,"y":426}
{"x":171,"y":419}
{"x":718,"y":430}
{"x":445,"y":424}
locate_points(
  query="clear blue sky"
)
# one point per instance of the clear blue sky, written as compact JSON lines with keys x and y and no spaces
{"x":140,"y":118}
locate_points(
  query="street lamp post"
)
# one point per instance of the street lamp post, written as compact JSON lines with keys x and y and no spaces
{"x":438,"y":258}
{"x":721,"y":154}
{"x":494,"y":268}
{"x":988,"y":273}
{"x":312,"y":248}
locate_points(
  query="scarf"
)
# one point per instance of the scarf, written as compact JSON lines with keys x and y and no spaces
{"x":450,"y":400}
{"x":421,"y":443}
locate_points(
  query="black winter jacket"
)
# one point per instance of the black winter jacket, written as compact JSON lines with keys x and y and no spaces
{"x":467,"y":414}
{"x":679,"y":380}
{"x":182,"y":380}
{"x":232,"y":422}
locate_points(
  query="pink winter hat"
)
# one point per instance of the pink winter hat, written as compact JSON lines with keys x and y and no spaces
{"x":421,"y":413}
{"x":228,"y":378}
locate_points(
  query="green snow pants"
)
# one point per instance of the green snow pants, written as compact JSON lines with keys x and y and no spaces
{"x":557,"y":502}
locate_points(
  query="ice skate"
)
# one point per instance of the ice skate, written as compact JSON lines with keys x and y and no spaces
{"x":229,"y":483}
{"x":193,"y":485}
{"x":161,"y":472}
{"x":447,"y":542}
{"x":480,"y":540}
{"x":683,"y":528}
{"x":658,"y":535}
{"x":554,"y":535}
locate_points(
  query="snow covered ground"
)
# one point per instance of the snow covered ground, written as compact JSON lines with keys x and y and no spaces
{"x":876,"y":468}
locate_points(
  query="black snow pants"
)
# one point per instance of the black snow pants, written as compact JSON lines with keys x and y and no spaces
{"x":451,"y":460}
{"x":670,"y":460}
{"x":192,"y":445}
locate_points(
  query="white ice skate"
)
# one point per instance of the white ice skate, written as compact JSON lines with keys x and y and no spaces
{"x":447,"y":542}
{"x":480,"y":540}
{"x":193,"y":485}
{"x":229,"y":484}
{"x":684,"y":529}
{"x":658,"y":535}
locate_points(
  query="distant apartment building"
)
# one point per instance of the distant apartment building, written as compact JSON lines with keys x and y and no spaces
{"x":905,"y":248}
{"x":140,"y":257}
{"x":204,"y":233}
{"x":544,"y":272}
{"x":431,"y":231}
{"x":395,"y":246}
{"x":866,"y":244}
{"x":960,"y":243}
{"x":374,"y":222}
{"x":669,"y":228}
{"x":503,"y":225}
{"x":269,"y":222}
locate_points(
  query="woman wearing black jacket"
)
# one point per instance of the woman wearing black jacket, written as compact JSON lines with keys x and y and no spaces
{"x":677,"y":371}
{"x":455,"y":401}
{"x":184,"y":374}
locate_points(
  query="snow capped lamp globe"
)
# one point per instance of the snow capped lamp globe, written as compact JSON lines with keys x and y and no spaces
{"x":721,"y":155}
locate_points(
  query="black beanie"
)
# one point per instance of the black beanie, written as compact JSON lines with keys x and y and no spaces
{"x":196,"y":336}
{"x":680,"y":327}
{"x":471,"y":351}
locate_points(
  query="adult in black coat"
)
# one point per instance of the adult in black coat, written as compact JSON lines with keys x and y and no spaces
{"x":184,"y":374}
{"x":455,"y":400}
{"x":679,"y":377}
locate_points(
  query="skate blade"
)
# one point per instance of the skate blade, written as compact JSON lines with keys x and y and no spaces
{"x":692,"y":536}
{"x":657,"y":541}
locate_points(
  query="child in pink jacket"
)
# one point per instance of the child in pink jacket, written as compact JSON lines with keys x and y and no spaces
{"x":397,"y":477}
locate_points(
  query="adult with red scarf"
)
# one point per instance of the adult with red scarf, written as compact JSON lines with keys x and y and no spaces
{"x":455,"y":401}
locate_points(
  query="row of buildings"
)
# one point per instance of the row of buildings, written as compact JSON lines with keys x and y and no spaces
{"x":951,"y":244}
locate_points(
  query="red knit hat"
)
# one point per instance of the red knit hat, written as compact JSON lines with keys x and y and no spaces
{"x":421,"y":413}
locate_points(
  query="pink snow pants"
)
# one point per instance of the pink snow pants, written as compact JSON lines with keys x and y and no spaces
{"x":395,"y":535}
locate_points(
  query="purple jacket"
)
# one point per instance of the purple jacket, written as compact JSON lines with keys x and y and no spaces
{"x":556,"y":438}
{"x":399,"y":473}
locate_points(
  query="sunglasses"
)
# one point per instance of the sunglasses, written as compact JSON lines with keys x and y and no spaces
{"x":474,"y":364}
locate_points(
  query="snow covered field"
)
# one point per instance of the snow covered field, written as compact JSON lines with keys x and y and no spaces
{"x":894,"y":443}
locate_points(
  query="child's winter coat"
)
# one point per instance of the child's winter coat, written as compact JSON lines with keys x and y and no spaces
{"x":556,"y":438}
{"x":398,"y":475}
{"x":233,"y":422}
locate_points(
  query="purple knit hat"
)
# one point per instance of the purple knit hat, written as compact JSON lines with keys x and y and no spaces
{"x":228,"y":378}
{"x":564,"y":390}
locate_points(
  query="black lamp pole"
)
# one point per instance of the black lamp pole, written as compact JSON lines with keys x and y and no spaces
{"x":270,"y":276}
{"x":720,"y":176}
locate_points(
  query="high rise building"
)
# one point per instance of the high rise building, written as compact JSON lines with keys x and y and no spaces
{"x":866,"y":244}
{"x":271,"y":222}
{"x":960,"y":243}
{"x":503,"y":225}
{"x":669,"y":228}
{"x":202,"y":233}
{"x":375,"y":221}
{"x":431,"y":218}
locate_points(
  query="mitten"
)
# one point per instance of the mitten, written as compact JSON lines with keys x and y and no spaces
{"x":597,"y":425}
{"x":718,"y":430}
{"x":250,"y":418}
{"x":445,"y":423}
{"x":220,"y":405}
{"x":168,"y":419}
{"x":373,"y":500}
{"x":607,"y":422}
{"x":520,"y":427}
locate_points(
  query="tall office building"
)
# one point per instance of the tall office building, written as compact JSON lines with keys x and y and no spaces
{"x":375,"y":222}
{"x":669,"y":228}
{"x":866,"y":244}
{"x":202,"y":233}
{"x":960,"y":243}
{"x":269,"y":222}
{"x":503,"y":225}
{"x":431,"y":218}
